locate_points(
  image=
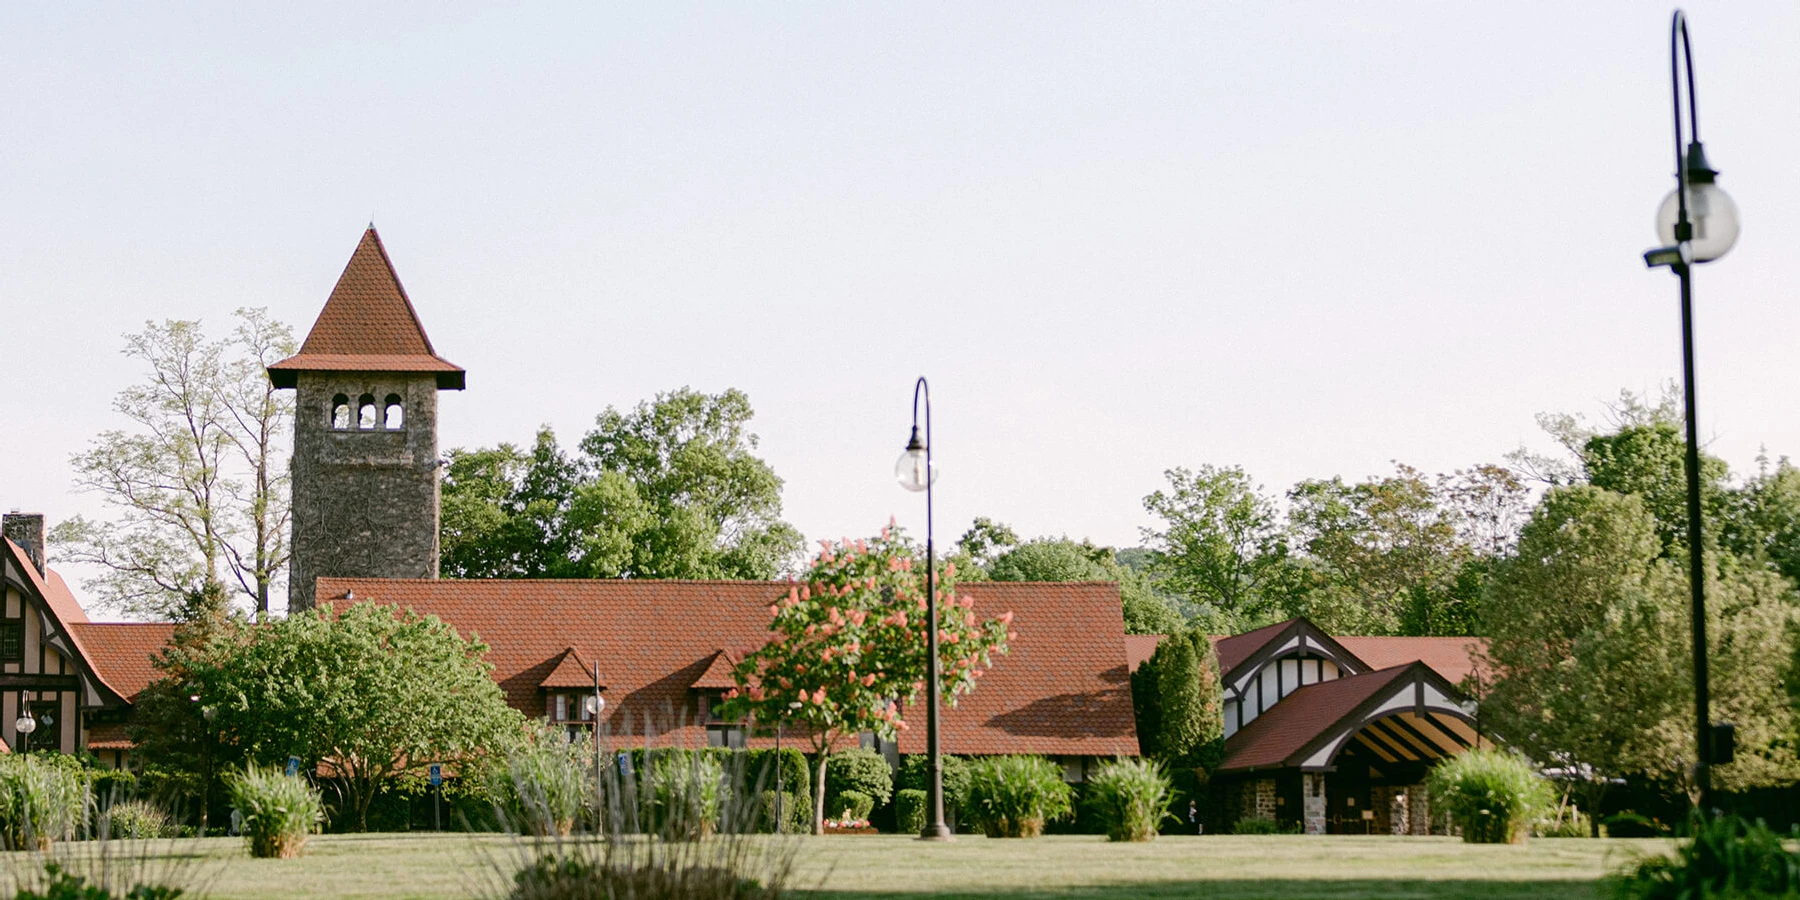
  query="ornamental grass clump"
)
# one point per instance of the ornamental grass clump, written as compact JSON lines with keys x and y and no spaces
{"x":1723,"y":857}
{"x":1014,"y":796}
{"x":1493,"y":796}
{"x":278,"y":810}
{"x":544,"y":785}
{"x":687,"y":794}
{"x":40,"y":802}
{"x":1130,"y":798}
{"x":135,"y":820}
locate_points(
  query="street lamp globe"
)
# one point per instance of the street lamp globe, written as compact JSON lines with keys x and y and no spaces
{"x":1714,"y":217}
{"x":913,"y":470}
{"x":25,"y":724}
{"x":594,"y":704}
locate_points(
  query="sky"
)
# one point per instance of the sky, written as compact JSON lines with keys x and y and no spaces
{"x":1308,"y":239}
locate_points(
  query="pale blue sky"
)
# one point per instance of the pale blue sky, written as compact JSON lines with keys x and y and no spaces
{"x":1303,"y":238}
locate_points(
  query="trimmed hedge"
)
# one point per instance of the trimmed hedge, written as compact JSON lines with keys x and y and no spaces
{"x":863,"y":771}
{"x":909,"y":811}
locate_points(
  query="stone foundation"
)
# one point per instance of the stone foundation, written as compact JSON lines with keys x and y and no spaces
{"x":1312,"y":794}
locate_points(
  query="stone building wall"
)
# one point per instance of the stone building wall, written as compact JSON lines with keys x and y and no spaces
{"x":1312,"y":802}
{"x":1418,"y":811}
{"x":365,"y":499}
{"x":1256,"y":799}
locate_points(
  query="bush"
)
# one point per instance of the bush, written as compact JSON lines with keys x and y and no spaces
{"x":544,"y":785}
{"x":1262,"y":826}
{"x":794,"y":810}
{"x":1724,"y":857}
{"x":1629,"y":824}
{"x":1492,"y":795}
{"x":915,"y":769}
{"x":687,"y":793}
{"x":1573,"y":823}
{"x":851,"y":805}
{"x":1130,"y":798}
{"x":1013,"y":796}
{"x":582,"y":875}
{"x":863,"y":771}
{"x":57,"y":883}
{"x":279,"y":810}
{"x":40,"y":801}
{"x":136,"y":820}
{"x":909,"y":811}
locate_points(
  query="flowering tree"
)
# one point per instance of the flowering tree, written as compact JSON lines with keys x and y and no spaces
{"x":847,"y":647}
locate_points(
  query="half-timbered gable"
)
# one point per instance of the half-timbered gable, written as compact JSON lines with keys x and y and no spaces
{"x":1259,"y":668}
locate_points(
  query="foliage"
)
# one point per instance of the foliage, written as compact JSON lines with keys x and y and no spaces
{"x":915,"y":771}
{"x":58,"y":883}
{"x":573,"y":873}
{"x":279,"y":810}
{"x":41,"y":800}
{"x":183,"y":751}
{"x":1190,"y":729}
{"x":852,"y":805}
{"x":1130,"y":797}
{"x":137,"y":820}
{"x":793,"y":813}
{"x":1221,"y":542}
{"x":1014,"y":796}
{"x":373,"y":692}
{"x":544,"y":785}
{"x":1494,"y":796}
{"x":909,"y":811}
{"x":1629,"y":824}
{"x":1765,"y":519}
{"x":1145,"y":610}
{"x":849,"y":645}
{"x":671,"y":489}
{"x":859,"y":770}
{"x":200,"y":483}
{"x":1722,"y":857}
{"x":688,"y":794}
{"x":1262,"y":826}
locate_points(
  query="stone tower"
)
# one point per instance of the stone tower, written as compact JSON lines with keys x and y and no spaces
{"x":365,"y":467}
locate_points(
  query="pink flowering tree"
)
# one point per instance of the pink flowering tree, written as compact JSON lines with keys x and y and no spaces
{"x":848,"y":645}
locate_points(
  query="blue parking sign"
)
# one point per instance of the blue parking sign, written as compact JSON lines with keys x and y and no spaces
{"x":293,"y":766}
{"x":437,"y":774}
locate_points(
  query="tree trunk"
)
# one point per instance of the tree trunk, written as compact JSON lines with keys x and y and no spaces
{"x":819,"y":796}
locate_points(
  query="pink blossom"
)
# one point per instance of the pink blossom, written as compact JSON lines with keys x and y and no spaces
{"x":949,"y":570}
{"x":1006,"y":617}
{"x":774,"y":610}
{"x":818,"y":696}
{"x":756,"y":693}
{"x":731,"y":694}
{"x":868,"y":679}
{"x":857,"y":617}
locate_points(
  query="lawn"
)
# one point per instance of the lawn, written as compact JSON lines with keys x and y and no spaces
{"x":393,"y":867}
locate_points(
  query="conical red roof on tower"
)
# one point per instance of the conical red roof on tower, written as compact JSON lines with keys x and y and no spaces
{"x":368,"y":325}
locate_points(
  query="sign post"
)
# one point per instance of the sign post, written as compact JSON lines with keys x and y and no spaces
{"x":437,"y":795}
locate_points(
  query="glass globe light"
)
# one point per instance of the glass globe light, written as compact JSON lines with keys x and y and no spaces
{"x":25,"y":724}
{"x":1714,"y":217}
{"x":594,"y":704}
{"x":913,"y":471}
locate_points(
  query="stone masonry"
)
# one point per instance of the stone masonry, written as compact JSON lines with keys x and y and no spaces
{"x":365,"y":499}
{"x":1312,"y":792}
{"x":26,"y":530}
{"x":1257,"y":800}
{"x":1418,"y":811}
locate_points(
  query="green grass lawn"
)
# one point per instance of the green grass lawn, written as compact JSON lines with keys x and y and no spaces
{"x":456,"y":866}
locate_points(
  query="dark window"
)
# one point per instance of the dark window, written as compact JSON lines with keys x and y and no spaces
{"x":731,"y":736}
{"x":12,"y":641}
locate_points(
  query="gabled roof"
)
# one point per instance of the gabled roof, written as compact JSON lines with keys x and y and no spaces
{"x":1451,"y":657}
{"x":14,"y":560}
{"x":1063,"y":688}
{"x":123,"y":652}
{"x":570,"y":672}
{"x":1139,"y":648}
{"x":1293,"y":730}
{"x":368,"y":325}
{"x":717,"y":676}
{"x":1233,"y":650}
{"x":1250,"y":650}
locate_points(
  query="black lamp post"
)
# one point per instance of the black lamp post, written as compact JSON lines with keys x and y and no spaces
{"x":780,"y":822}
{"x":915,"y":473}
{"x":1698,"y":223}
{"x":595,"y":705}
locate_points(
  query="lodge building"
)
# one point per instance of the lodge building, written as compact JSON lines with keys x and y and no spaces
{"x":1331,"y":733}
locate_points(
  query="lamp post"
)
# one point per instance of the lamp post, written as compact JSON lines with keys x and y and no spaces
{"x":596,"y":705}
{"x":915,"y":473}
{"x":780,"y":764}
{"x":209,"y":713}
{"x":1698,"y":223}
{"x":25,"y":725}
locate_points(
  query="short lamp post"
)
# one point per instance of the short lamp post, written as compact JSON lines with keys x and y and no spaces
{"x":25,"y":725}
{"x":915,"y":473}
{"x":1697,"y":223}
{"x":595,"y":705}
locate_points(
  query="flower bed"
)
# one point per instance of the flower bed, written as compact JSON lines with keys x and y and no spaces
{"x":849,"y":826}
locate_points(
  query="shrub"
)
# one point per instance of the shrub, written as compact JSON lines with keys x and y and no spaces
{"x":1262,"y":826}
{"x":136,"y":820}
{"x":794,"y":810}
{"x":544,"y":784}
{"x":279,"y":810}
{"x":1013,"y":796}
{"x":1629,"y":824}
{"x":1724,"y":857}
{"x":57,"y":883}
{"x":1130,"y":798}
{"x":852,"y":805}
{"x":1571,"y":823}
{"x":40,"y":801}
{"x":589,"y":876}
{"x":909,"y":811}
{"x":863,"y":771}
{"x":915,"y":769}
{"x":687,"y":793}
{"x":1492,"y":795}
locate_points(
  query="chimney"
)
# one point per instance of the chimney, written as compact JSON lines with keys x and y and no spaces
{"x":26,"y":530}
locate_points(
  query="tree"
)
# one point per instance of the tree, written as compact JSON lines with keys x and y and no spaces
{"x":1765,"y":520}
{"x":671,"y":489}
{"x":168,"y":725}
{"x":371,"y":693}
{"x":200,"y":484}
{"x":848,"y":644}
{"x":1145,"y":611}
{"x":1191,"y":721}
{"x":1221,"y":542}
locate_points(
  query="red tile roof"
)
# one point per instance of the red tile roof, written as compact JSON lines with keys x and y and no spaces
{"x":1239,"y":647}
{"x":1063,"y":689}
{"x":1305,"y":714}
{"x":121,"y":652}
{"x":1139,"y":648}
{"x":570,"y":672}
{"x":718,"y":674}
{"x":61,"y":599}
{"x":368,"y":325}
{"x":60,"y":603}
{"x":108,"y":736}
{"x":1451,"y":657}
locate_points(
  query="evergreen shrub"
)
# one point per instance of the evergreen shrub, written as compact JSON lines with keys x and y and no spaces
{"x":851,"y":805}
{"x":915,"y":770}
{"x":863,"y":771}
{"x":909,"y":811}
{"x":1494,"y":796}
{"x":1129,"y":798}
{"x":794,"y":810}
{"x":1014,"y":796}
{"x":279,"y":810}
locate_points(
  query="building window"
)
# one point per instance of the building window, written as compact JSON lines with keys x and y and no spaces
{"x":728,"y":736}
{"x":340,"y":413}
{"x":394,"y":413}
{"x":12,"y":641}
{"x":365,"y":412}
